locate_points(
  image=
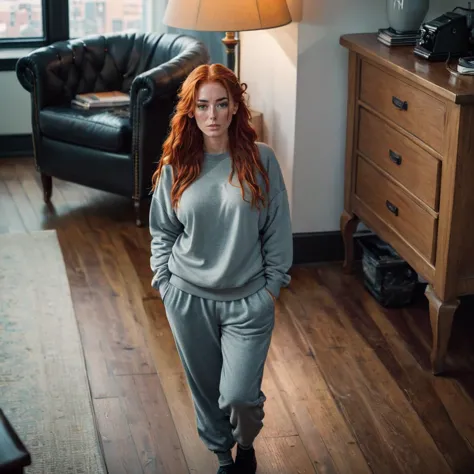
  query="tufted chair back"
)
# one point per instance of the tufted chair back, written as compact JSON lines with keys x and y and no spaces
{"x":95,"y":64}
{"x":113,"y":150}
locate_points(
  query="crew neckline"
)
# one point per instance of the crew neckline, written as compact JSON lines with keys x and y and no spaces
{"x":215,"y":155}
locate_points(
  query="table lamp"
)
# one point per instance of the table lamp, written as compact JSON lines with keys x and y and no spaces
{"x":227,"y":15}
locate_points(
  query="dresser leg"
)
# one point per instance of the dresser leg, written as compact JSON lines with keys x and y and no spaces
{"x":349,"y":223}
{"x":441,"y":316}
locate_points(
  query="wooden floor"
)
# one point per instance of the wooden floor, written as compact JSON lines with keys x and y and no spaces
{"x":348,"y":383}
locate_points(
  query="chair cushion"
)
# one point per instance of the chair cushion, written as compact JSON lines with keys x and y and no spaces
{"x":107,"y":129}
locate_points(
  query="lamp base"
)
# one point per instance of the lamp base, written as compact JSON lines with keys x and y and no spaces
{"x":230,"y":42}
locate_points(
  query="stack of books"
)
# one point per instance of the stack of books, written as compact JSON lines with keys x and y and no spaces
{"x":390,"y":37}
{"x":101,"y":99}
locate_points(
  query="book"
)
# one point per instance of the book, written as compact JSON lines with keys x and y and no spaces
{"x":101,"y":99}
{"x":390,"y":37}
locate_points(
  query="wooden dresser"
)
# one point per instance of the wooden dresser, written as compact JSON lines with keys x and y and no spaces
{"x":409,"y":170}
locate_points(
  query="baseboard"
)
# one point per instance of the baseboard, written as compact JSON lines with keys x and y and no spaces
{"x":16,"y":145}
{"x":316,"y":247}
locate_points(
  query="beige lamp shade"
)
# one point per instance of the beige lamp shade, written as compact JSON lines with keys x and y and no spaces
{"x":226,"y":15}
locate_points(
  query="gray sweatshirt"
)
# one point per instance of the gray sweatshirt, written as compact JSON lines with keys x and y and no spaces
{"x":215,"y":245}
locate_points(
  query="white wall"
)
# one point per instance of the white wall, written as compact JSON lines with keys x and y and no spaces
{"x":14,"y":106}
{"x":270,"y":71}
{"x":321,"y":107}
{"x":316,"y":116}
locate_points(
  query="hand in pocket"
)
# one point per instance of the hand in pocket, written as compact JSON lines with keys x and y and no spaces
{"x":271,"y":294}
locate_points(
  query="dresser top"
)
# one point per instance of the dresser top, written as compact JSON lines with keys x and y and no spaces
{"x":401,"y":59}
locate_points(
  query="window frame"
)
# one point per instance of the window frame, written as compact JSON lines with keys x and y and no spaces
{"x":55,"y":28}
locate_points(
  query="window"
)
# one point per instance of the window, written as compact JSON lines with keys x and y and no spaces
{"x":88,"y":17}
{"x":29,"y":24}
{"x":21,"y":19}
{"x":117,"y":25}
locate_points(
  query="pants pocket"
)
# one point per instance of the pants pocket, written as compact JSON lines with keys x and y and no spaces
{"x":268,"y":296}
{"x":164,"y":290}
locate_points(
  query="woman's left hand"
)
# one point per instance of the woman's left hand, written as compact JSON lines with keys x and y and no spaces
{"x":271,"y":294}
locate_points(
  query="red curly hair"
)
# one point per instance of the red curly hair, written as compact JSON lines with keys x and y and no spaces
{"x":183,"y":149}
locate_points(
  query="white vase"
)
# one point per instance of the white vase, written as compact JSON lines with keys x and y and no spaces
{"x":406,"y":15}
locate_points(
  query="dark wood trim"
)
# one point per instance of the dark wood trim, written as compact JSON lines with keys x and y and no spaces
{"x":8,"y":64}
{"x":316,"y":247}
{"x":16,"y":145}
{"x":56,"y":24}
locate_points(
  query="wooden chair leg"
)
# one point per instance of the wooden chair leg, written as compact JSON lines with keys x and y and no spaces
{"x":47,"y":182}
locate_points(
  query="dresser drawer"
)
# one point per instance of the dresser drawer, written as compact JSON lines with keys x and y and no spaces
{"x":416,"y":111}
{"x":409,"y":164}
{"x":395,"y":207}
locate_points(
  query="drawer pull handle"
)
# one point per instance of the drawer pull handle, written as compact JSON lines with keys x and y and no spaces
{"x":399,"y":104}
{"x":395,"y":157}
{"x":392,"y":208}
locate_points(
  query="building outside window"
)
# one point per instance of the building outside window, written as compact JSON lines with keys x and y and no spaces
{"x":23,"y":19}
{"x":107,"y":16}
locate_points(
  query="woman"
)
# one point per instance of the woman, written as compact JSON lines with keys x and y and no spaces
{"x":221,"y":249}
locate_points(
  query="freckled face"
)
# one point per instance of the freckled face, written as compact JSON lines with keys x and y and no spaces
{"x":214,"y":109}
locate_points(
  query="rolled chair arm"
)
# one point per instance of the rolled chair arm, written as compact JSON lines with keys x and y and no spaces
{"x":33,"y":73}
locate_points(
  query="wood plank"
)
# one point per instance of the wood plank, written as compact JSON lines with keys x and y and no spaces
{"x":283,"y":456}
{"x":327,"y":437}
{"x":370,"y":322}
{"x":119,"y":448}
{"x":58,"y":213}
{"x":277,"y":422}
{"x":151,"y":425}
{"x":17,"y":193}
{"x":70,"y":239}
{"x":34,"y":194}
{"x":458,"y":405}
{"x":11,"y":221}
{"x":127,"y":347}
{"x":137,"y":245}
{"x":70,"y":204}
{"x":369,"y":397}
{"x":92,"y":329}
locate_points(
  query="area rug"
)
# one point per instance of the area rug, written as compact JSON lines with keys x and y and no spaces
{"x":44,"y":390}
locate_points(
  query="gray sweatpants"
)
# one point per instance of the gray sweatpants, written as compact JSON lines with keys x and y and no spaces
{"x":223,"y":346}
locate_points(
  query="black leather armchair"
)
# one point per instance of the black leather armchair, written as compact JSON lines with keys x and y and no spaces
{"x":113,"y":149}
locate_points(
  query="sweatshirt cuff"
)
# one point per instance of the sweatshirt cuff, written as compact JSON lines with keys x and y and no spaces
{"x":274,"y":287}
{"x":159,"y":281}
